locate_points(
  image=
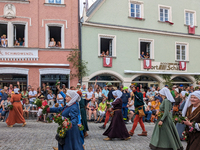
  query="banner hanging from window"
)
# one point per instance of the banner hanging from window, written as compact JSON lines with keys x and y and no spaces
{"x":107,"y":62}
{"x":147,"y":64}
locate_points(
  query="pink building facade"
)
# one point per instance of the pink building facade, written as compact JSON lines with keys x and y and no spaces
{"x":36,"y":38}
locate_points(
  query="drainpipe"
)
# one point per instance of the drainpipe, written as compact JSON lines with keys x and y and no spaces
{"x":79,"y":30}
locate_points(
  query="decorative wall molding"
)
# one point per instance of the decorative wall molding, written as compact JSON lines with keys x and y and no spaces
{"x":34,"y":64}
{"x":119,"y":27}
{"x":9,"y":11}
{"x":30,"y":24}
{"x":54,"y":71}
{"x":13,"y":70}
{"x":53,"y":20}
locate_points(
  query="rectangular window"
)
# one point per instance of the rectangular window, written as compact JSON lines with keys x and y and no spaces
{"x":164,"y":14}
{"x":18,"y":35}
{"x":189,"y":17}
{"x":3,"y":35}
{"x":54,"y":36}
{"x":107,"y":45}
{"x":135,"y":10}
{"x":146,"y":49}
{"x":55,"y":1}
{"x":180,"y":52}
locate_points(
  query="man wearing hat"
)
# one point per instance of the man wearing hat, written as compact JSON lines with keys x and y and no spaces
{"x":44,"y":103}
{"x":110,"y":99}
{"x":78,"y":87}
{"x":172,"y":92}
{"x":125,"y":98}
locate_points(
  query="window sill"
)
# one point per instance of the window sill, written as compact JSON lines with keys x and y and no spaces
{"x":187,"y":61}
{"x":25,"y":2}
{"x":107,"y":56}
{"x":55,"y":5}
{"x":146,"y":58}
{"x":171,"y":23}
{"x":142,"y":19}
{"x":54,"y":47}
{"x":189,"y":25}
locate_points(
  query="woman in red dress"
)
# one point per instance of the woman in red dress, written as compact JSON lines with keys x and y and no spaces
{"x":16,"y":114}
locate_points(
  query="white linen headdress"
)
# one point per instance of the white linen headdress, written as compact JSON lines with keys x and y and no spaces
{"x":165,"y":91}
{"x":188,"y":102}
{"x":117,"y":93}
{"x":74,"y":95}
{"x":16,"y":91}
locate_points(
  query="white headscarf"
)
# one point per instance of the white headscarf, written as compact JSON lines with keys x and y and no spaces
{"x":165,"y":91}
{"x":16,"y":91}
{"x":117,"y":93}
{"x":188,"y":102}
{"x":74,"y":95}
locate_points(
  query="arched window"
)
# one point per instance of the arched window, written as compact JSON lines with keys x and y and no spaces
{"x":102,"y":79}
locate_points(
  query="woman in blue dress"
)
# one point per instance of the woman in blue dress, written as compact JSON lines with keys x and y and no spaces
{"x":71,"y":111}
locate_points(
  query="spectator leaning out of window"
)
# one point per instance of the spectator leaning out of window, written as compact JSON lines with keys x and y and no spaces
{"x":103,"y":54}
{"x":52,"y":43}
{"x":20,"y":42}
{"x":58,"y":44}
{"x":142,"y":56}
{"x":4,"y":41}
{"x":92,"y":109}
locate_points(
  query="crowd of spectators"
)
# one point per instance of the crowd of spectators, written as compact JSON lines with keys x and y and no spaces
{"x":96,"y":100}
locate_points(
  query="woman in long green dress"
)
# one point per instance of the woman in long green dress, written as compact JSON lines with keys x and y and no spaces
{"x":83,"y":117}
{"x":165,"y":135}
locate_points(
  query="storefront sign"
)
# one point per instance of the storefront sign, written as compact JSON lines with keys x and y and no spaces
{"x":161,"y":66}
{"x":18,"y":54}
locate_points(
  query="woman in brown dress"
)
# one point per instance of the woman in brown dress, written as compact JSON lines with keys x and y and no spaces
{"x":16,"y":114}
{"x":117,"y":128}
{"x":192,"y":111}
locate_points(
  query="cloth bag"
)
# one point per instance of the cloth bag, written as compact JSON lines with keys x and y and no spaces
{"x":141,"y":111}
{"x":61,"y":141}
{"x":180,"y":128}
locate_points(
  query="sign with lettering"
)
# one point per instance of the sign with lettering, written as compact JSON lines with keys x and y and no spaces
{"x":162,"y":66}
{"x":18,"y":54}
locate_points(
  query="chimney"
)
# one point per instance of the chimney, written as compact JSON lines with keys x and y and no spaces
{"x":86,"y":1}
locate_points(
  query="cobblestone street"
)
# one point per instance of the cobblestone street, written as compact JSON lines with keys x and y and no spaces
{"x":40,"y":136}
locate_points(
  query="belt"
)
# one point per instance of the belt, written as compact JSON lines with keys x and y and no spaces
{"x":16,"y":101}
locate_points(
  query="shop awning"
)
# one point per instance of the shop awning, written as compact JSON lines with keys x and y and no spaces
{"x":158,"y":72}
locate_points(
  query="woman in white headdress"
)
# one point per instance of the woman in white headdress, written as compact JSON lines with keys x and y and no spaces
{"x":191,"y":110}
{"x":165,"y":135}
{"x":117,"y":128}
{"x":71,"y":111}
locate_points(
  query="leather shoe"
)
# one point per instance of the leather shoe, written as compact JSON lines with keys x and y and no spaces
{"x":107,"y":139}
{"x":144,"y":133}
{"x":102,"y":127}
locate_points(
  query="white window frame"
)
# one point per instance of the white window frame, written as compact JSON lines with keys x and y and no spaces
{"x":169,"y":12}
{"x":151,"y":48}
{"x":141,"y":8}
{"x":194,"y":16}
{"x":113,"y":37}
{"x":186,"y":51}
{"x":62,"y":33}
{"x":47,"y":1}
